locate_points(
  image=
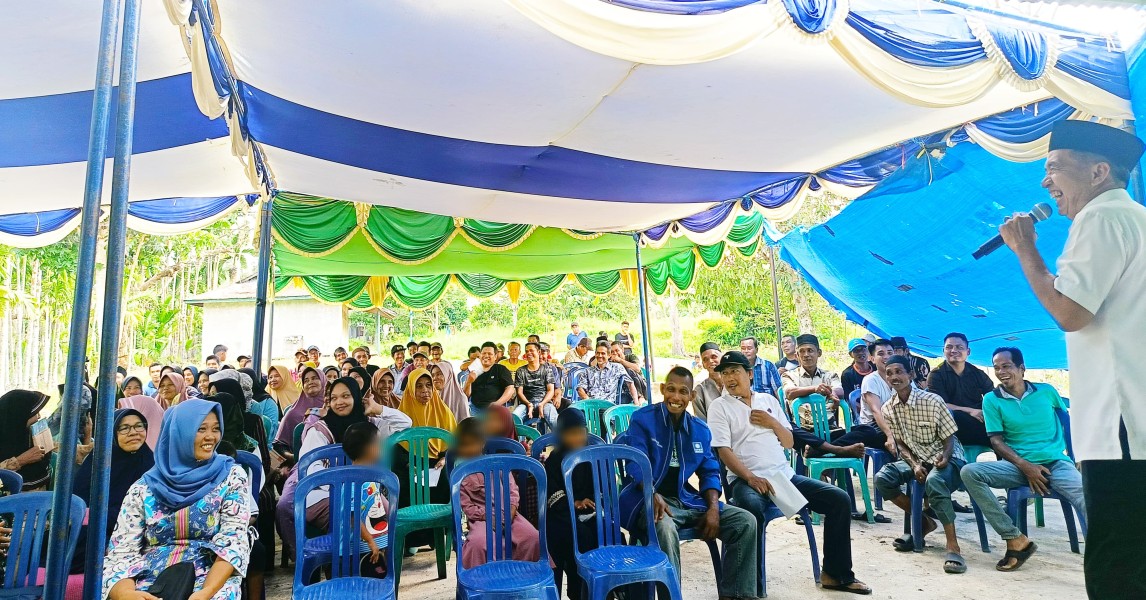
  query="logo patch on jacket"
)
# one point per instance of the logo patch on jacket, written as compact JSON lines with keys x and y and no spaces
{"x":697,"y":448}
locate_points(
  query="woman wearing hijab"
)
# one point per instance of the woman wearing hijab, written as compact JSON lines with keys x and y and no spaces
{"x":131,"y":457}
{"x":282,"y":387}
{"x":313,"y":395}
{"x":18,"y":451}
{"x":426,"y":409}
{"x":383,"y":388}
{"x":447,"y":386}
{"x":172,"y":390}
{"x":262,"y":404}
{"x":151,"y":411}
{"x":205,"y":380}
{"x":191,"y":376}
{"x":332,"y":372}
{"x":132,"y":386}
{"x":499,"y":422}
{"x":190,"y":507}
{"x":347,"y":406}
{"x":346,"y":365}
{"x":361,"y":376}
{"x":572,"y":435}
{"x":223,"y":393}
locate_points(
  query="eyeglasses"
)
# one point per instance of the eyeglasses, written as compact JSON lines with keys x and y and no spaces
{"x":138,"y":428}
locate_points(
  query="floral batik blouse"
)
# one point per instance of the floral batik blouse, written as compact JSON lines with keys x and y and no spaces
{"x":149,"y":537}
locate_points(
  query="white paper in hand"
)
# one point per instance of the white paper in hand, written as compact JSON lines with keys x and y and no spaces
{"x":785,"y":495}
{"x":435,"y":475}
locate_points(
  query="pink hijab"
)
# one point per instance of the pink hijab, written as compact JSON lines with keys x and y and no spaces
{"x":151,"y":410}
{"x":180,"y":391}
{"x":297,"y":413}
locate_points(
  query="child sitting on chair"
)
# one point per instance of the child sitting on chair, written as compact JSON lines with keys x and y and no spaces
{"x":363,"y":448}
{"x":470,"y":444}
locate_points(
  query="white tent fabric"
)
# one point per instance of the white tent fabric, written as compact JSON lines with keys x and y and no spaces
{"x":432,"y":104}
{"x":48,"y":54}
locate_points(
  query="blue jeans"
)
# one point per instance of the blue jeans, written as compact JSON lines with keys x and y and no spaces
{"x":937,"y":487}
{"x":980,"y":477}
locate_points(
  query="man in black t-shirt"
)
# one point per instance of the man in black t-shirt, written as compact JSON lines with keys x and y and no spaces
{"x":624,"y":336}
{"x":852,"y":377}
{"x":494,"y":385}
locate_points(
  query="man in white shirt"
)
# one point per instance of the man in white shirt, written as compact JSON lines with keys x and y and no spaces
{"x":750,"y":433}
{"x":1097,"y":299}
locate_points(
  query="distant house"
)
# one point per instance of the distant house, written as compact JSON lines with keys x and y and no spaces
{"x":295,"y":319}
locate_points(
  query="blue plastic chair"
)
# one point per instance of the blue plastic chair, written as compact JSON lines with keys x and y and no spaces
{"x":1017,"y":497}
{"x":29,"y":522}
{"x":346,"y":546}
{"x":253,"y":465}
{"x":613,"y":564}
{"x":502,"y":577}
{"x":617,"y":420}
{"x":572,"y":378}
{"x":331,"y":453}
{"x":11,"y":481}
{"x":820,"y":465}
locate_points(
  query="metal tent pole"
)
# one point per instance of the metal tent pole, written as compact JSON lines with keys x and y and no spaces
{"x":646,"y":343}
{"x":112,"y":307}
{"x":262,"y":283}
{"x":776,"y":301}
{"x":56,"y":577}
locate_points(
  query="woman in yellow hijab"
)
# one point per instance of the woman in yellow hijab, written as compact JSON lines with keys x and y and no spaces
{"x":282,"y":387}
{"x":421,"y":402}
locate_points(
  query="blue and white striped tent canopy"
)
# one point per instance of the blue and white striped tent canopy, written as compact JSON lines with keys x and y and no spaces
{"x":664,"y":116}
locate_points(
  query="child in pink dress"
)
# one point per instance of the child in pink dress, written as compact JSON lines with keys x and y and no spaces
{"x":470,"y":444}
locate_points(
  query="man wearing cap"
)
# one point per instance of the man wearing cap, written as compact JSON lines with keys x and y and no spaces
{"x":710,"y":389}
{"x":1096,"y":297}
{"x":436,"y":352}
{"x":579,"y":353}
{"x":362,"y":355}
{"x":314,"y":354}
{"x":808,"y":378}
{"x":919,"y":367}
{"x":852,"y":377}
{"x":398,"y":354}
{"x":749,"y":433}
{"x":575,"y":335}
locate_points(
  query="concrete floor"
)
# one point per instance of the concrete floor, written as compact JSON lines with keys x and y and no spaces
{"x":1053,"y":572}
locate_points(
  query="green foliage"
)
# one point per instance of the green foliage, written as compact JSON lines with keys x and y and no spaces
{"x":719,"y":329}
{"x":491,"y":314}
{"x":534,"y":324}
{"x":454,"y":308}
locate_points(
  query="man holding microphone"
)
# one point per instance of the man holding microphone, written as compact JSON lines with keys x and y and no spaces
{"x":1099,"y":298}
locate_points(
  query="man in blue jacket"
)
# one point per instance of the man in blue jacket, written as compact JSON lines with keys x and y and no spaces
{"x":679,"y":445}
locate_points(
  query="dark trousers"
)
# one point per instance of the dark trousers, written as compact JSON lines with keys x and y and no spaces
{"x":1116,"y":529}
{"x":824,"y":498}
{"x":868,"y":435}
{"x":972,"y":431}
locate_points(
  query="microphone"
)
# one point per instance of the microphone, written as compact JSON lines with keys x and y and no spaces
{"x":1040,"y":212}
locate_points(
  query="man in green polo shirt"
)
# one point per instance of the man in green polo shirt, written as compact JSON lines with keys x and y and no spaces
{"x":1027,"y":437}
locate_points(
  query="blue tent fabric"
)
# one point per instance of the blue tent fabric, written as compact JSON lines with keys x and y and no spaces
{"x":898,"y":259}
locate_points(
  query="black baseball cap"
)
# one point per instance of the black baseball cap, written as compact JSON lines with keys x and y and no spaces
{"x":899,"y":342}
{"x":733,"y":358}
{"x":396,"y":348}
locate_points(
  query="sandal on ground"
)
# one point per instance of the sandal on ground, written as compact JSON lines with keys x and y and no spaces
{"x":862,"y":516}
{"x":1020,"y":557}
{"x":954,"y":564}
{"x":904,"y":543}
{"x":847,"y":587}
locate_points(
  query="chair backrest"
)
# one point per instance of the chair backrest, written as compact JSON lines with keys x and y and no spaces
{"x":497,"y":473}
{"x":605,"y":461}
{"x":854,"y":400}
{"x":820,"y":423}
{"x":1064,"y":419}
{"x":549,"y":440}
{"x":572,"y":378}
{"x":527,"y":432}
{"x":617,"y":419}
{"x":592,"y":410}
{"x":418,"y":441}
{"x":253,"y":465}
{"x":296,"y":439}
{"x":28,"y":515}
{"x":11,"y":481}
{"x":500,"y":445}
{"x":346,"y":487}
{"x":462,"y":376}
{"x":331,"y":453}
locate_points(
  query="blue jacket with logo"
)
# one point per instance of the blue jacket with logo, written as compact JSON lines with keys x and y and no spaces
{"x":649,"y":431}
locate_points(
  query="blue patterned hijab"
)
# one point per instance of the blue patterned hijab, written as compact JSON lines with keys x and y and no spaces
{"x":178,"y":480}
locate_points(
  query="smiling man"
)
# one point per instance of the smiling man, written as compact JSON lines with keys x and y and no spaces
{"x":678,"y":446}
{"x":962,"y":385}
{"x":1029,"y":440}
{"x":710,"y":389}
{"x":1096,"y":297}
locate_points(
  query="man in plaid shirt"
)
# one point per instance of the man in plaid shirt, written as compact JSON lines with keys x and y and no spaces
{"x":924,"y":434}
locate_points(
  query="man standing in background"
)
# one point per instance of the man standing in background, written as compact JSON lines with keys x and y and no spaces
{"x":575,"y":335}
{"x":788,"y":360}
{"x":1097,"y":299}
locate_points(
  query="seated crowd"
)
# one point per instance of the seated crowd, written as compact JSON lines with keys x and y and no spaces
{"x":183,"y":512}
